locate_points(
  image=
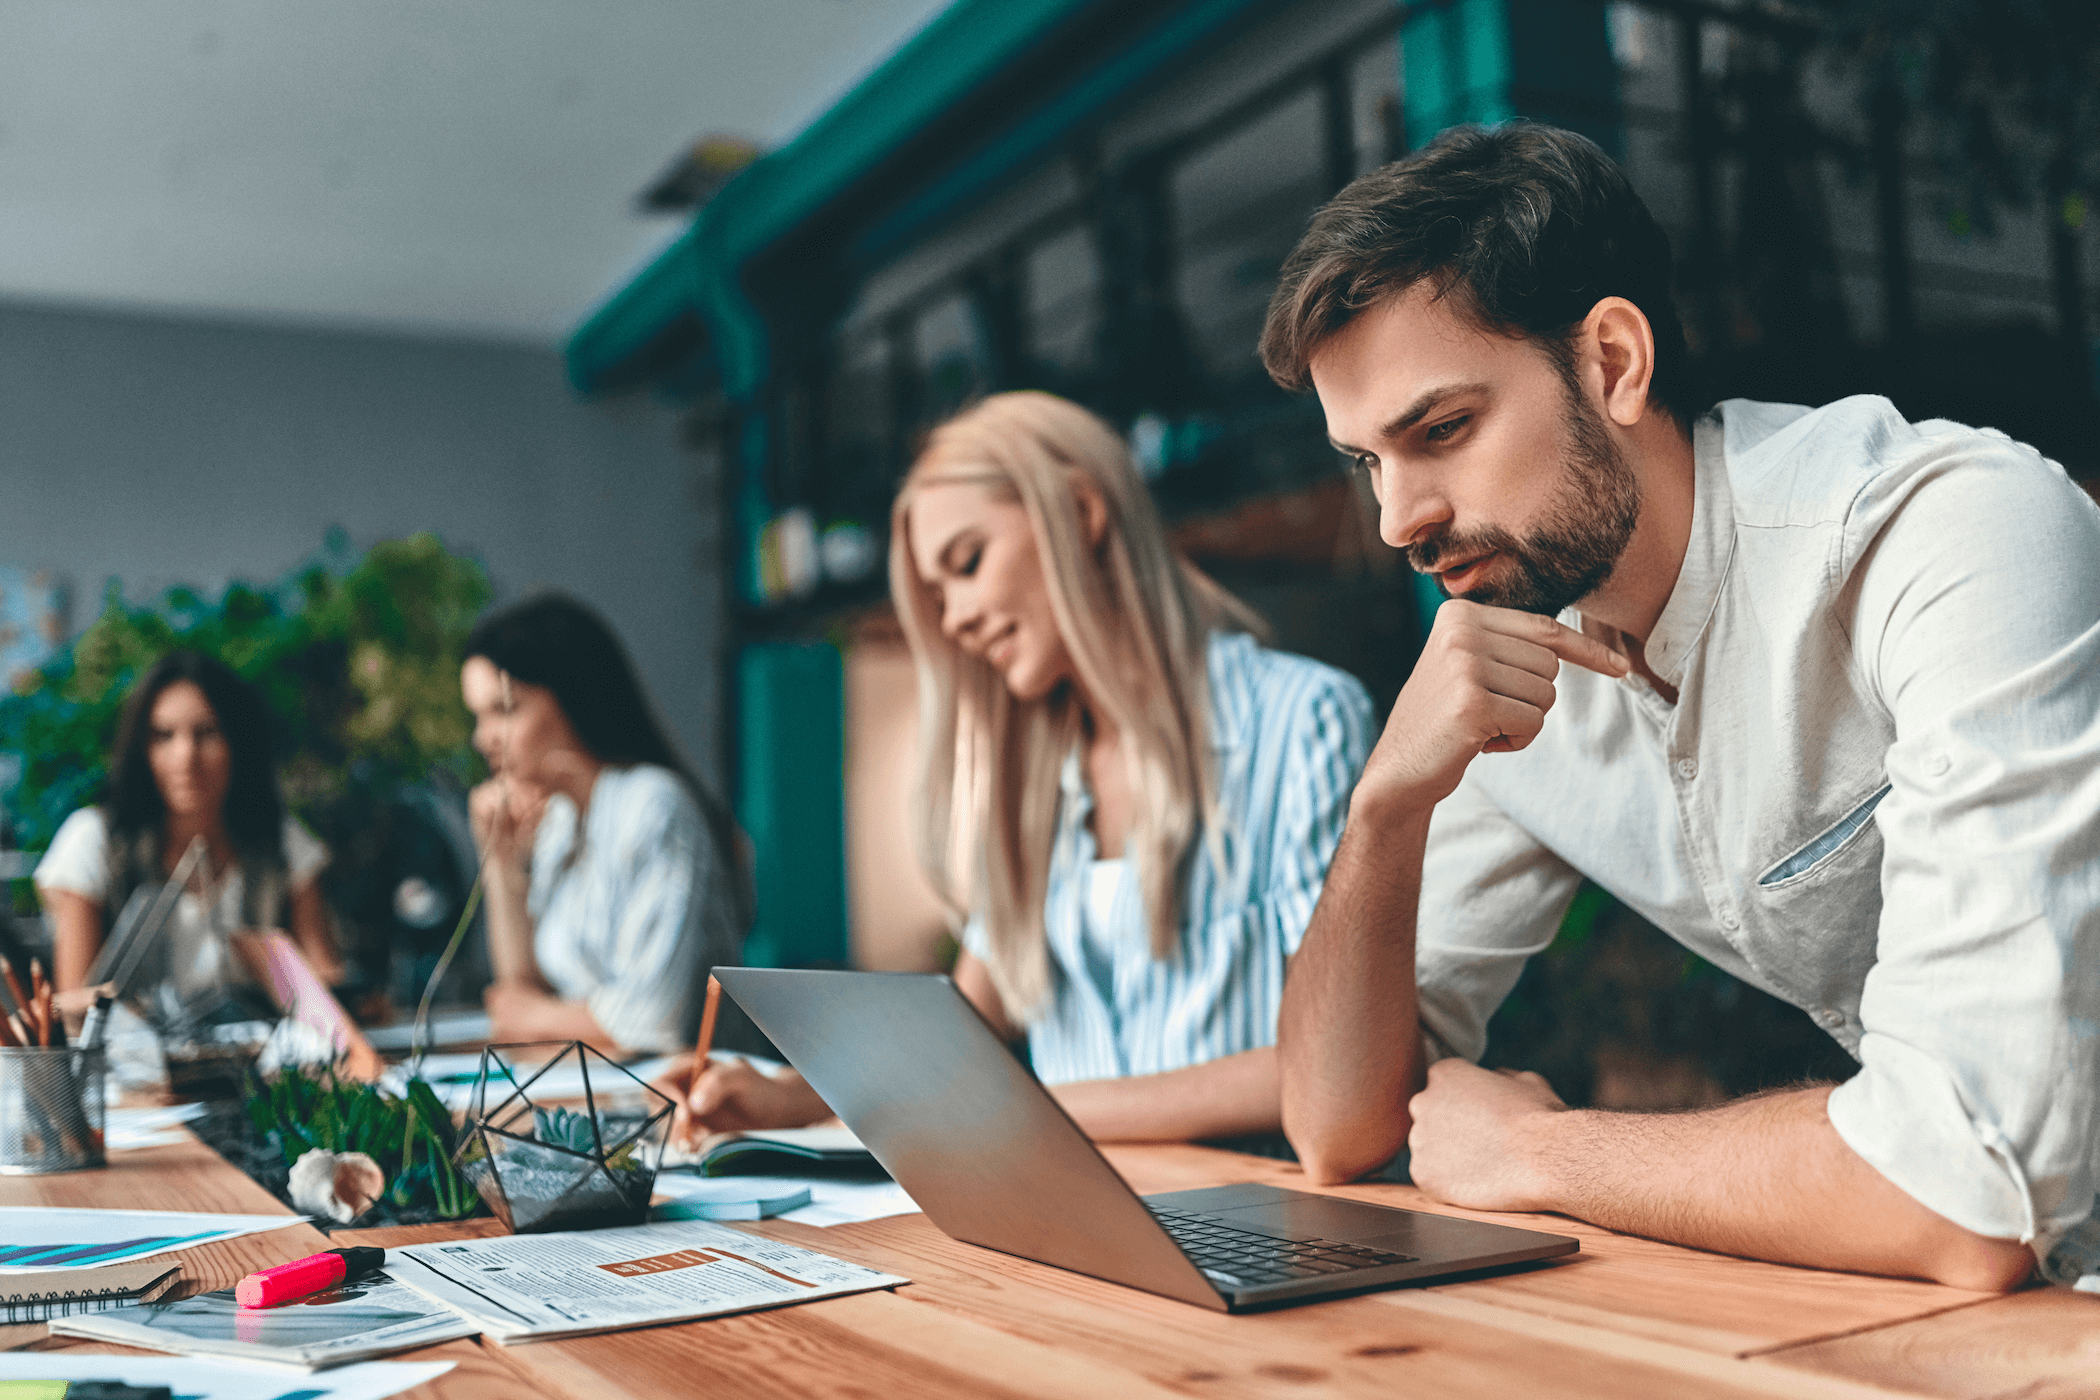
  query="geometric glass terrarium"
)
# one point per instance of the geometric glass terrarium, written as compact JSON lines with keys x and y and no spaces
{"x":548,"y":1166}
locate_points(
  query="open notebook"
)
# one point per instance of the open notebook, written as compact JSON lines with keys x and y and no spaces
{"x":786,"y":1150}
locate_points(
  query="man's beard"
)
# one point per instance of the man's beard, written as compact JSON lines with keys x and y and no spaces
{"x":1576,"y":547}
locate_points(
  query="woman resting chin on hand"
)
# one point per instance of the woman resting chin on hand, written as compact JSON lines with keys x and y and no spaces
{"x":611,"y":872}
{"x":1169,"y":789}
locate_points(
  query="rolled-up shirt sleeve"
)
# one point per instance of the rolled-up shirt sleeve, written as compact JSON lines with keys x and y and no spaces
{"x":1980,"y":1043}
{"x":1491,"y":897}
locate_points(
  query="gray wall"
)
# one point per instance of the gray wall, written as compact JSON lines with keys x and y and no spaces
{"x":164,"y":451}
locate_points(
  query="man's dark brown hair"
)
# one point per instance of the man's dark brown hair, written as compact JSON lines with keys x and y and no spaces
{"x":1526,"y":226}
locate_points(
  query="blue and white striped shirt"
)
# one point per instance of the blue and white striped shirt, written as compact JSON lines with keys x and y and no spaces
{"x":1290,"y":736}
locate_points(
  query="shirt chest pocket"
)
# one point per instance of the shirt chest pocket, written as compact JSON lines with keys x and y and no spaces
{"x":1820,"y":903}
{"x":1825,"y":847}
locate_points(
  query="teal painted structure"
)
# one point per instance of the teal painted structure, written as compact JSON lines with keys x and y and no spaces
{"x":791,"y":800}
{"x":1490,"y":60}
{"x":1456,"y":61}
{"x":701,"y":273}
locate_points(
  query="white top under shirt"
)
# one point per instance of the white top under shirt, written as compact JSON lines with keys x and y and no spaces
{"x":1101,"y":927}
{"x":1876,"y":798}
{"x":631,"y":912}
{"x":198,"y":956}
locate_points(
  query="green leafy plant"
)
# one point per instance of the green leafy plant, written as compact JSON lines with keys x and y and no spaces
{"x":410,"y":1136}
{"x":358,"y":659}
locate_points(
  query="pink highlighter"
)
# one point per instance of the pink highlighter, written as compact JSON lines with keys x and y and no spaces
{"x":302,"y":1278}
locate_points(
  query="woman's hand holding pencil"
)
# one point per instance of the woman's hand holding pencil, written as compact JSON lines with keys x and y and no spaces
{"x":715,"y":1096}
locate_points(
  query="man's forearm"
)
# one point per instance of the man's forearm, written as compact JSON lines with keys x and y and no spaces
{"x":1232,"y":1097}
{"x":1348,"y":1043}
{"x":1765,"y":1177}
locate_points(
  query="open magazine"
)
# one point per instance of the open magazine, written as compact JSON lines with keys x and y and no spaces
{"x":371,"y":1317}
{"x":518,"y":1288}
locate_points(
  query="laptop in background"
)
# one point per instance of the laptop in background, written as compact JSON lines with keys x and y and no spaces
{"x":993,"y":1160}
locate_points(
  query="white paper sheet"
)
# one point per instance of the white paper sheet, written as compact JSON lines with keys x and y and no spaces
{"x":453,"y":1028}
{"x":223,"y":1380}
{"x":835,"y":1202}
{"x":55,"y":1239}
{"x":148,"y":1127}
{"x":563,"y":1082}
{"x":453,"y":1076}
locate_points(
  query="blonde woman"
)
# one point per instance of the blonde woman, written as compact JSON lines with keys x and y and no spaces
{"x":1130,"y":801}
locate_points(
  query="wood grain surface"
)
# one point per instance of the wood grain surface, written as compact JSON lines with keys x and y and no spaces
{"x":1624,"y":1318}
{"x":2043,"y":1344}
{"x":1710,"y":1302}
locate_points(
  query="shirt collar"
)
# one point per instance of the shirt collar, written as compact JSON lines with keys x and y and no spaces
{"x":1706,"y":557}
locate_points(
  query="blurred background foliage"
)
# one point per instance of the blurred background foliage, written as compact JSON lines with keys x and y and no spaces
{"x":1617,"y":1014}
{"x":357,"y":657}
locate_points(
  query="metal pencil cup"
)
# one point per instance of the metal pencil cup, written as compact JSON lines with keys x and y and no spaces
{"x":50,"y":1110}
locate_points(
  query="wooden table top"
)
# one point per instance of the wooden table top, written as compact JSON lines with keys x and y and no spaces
{"x":1623,"y":1318}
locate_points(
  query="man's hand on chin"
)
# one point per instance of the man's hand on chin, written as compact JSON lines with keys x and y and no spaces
{"x":1476,"y":1140}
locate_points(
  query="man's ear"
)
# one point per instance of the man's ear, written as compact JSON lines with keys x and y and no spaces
{"x":1093,"y":510}
{"x":1623,"y":344}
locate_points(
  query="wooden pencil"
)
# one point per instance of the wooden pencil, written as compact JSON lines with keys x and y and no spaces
{"x":15,"y":989}
{"x":704,"y":1043}
{"x":703,"y":1046}
{"x":40,"y":1002}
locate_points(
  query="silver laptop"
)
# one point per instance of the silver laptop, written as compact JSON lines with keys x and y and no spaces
{"x":912,"y":1068}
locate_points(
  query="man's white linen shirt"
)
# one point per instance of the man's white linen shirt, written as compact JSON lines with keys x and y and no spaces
{"x":1875,"y":798}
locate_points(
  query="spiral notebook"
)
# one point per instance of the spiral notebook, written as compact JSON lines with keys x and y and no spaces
{"x":44,"y":1294}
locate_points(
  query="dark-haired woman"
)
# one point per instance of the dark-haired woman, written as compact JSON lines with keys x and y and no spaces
{"x":193,"y":759}
{"x":613,"y":880}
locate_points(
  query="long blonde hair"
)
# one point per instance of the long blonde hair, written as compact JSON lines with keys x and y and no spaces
{"x":1135,"y":617}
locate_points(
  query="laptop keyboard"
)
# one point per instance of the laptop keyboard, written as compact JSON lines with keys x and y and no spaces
{"x":1237,"y":1257}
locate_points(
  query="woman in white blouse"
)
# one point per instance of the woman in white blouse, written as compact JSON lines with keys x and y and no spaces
{"x":192,"y":760}
{"x":1130,"y":801}
{"x":612,"y":874}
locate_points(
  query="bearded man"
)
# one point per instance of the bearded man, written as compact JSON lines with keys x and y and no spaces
{"x":1833,"y":722}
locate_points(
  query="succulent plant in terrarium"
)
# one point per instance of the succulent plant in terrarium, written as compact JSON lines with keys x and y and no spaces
{"x":551,"y":1167}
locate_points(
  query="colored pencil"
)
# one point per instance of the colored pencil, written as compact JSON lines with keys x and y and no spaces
{"x":705,"y":1044}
